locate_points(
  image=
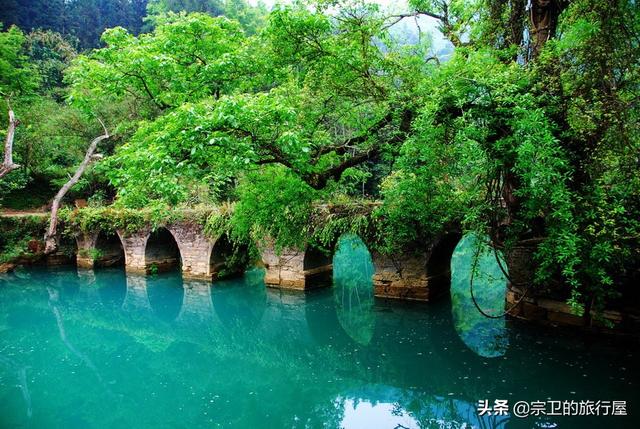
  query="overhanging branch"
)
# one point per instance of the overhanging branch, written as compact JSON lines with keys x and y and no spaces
{"x":50,"y":241}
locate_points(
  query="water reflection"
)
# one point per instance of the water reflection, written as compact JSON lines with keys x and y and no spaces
{"x":486,"y":337}
{"x":166,"y":293}
{"x":353,"y":288}
{"x":112,"y":286}
{"x":360,"y":413}
{"x":240,"y":301}
{"x":389,"y":407}
{"x":99,"y":366}
{"x":196,"y":307}
{"x":136,"y":299}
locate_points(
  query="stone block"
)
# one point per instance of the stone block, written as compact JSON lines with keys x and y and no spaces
{"x":553,"y":305}
{"x":565,"y":318}
{"x":533,"y":312}
{"x":82,"y":262}
{"x":382,"y":290}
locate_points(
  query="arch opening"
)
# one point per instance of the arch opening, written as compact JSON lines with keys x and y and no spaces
{"x":484,"y":336}
{"x":315,"y":258}
{"x":439,"y":264}
{"x":317,"y":267}
{"x":227,"y":259}
{"x":109,"y":251}
{"x":162,"y":253}
{"x":353,"y":288}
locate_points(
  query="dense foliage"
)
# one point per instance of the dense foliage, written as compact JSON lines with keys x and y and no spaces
{"x":527,"y":133}
{"x":85,"y":20}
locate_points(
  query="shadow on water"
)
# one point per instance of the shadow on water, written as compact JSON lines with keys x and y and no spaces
{"x":486,"y":337}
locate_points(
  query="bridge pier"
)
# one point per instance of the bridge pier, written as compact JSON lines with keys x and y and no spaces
{"x":402,"y":278}
{"x":296,"y":269}
{"x":195,"y":250}
{"x":196,"y":302}
{"x":415,"y":275}
{"x":86,"y":247}
{"x":134,"y":250}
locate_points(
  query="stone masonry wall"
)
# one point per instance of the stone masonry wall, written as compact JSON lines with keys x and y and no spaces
{"x":86,"y":244}
{"x":289,"y":269}
{"x":195,"y":249}
{"x":403,"y":277}
{"x":542,"y":305}
{"x":134,"y":249}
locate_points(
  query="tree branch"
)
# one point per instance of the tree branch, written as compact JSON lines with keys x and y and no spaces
{"x":446,"y":27}
{"x":342,"y":147}
{"x":50,"y":241}
{"x":8,"y":165}
{"x":319,"y":180}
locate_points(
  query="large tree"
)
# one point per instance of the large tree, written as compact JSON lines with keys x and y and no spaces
{"x":554,"y":116}
{"x":528,"y":133}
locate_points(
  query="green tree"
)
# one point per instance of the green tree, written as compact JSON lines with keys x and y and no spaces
{"x":18,"y":77}
{"x":528,"y":133}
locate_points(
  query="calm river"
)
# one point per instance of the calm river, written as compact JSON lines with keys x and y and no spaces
{"x":101,"y":349}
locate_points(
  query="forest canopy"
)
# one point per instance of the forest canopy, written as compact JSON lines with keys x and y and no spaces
{"x":527,"y":132}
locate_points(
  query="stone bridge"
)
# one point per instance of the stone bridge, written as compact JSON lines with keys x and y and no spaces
{"x":413,"y":275}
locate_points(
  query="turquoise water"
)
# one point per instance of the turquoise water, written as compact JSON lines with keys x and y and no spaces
{"x":102,"y":349}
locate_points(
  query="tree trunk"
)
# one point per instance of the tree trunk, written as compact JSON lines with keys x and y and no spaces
{"x":51,"y":244}
{"x":544,"y":16}
{"x":8,"y":165}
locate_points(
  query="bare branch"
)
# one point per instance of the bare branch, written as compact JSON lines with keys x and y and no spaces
{"x":446,"y":26}
{"x":51,"y":244}
{"x":8,"y":164}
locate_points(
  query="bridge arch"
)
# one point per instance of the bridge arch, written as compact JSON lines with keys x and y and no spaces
{"x":162,"y":252}
{"x":439,"y":256}
{"x":109,"y":250}
{"x":227,"y":259}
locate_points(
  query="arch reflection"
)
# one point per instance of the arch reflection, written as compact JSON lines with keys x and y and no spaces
{"x":112,"y":286}
{"x":353,"y":288}
{"x":484,"y":336}
{"x":240,"y":301}
{"x":166,"y":293}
